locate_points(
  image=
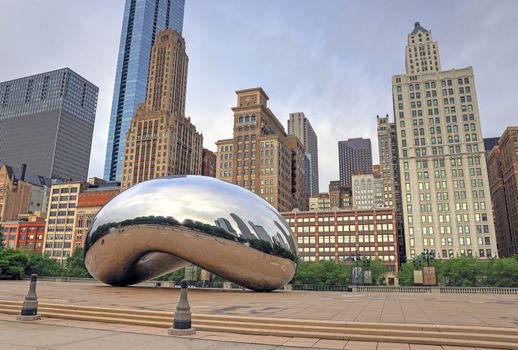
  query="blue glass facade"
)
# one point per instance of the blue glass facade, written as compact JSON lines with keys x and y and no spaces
{"x":143,"y":20}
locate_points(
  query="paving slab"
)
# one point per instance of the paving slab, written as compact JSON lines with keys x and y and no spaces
{"x":361,"y":345}
{"x":33,"y":336}
{"x":454,"y":309}
{"x":330,"y":344}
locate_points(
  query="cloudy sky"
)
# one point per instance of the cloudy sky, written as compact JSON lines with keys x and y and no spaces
{"x":331,"y":59}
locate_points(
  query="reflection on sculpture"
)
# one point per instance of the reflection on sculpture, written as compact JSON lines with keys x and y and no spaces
{"x":161,"y":225}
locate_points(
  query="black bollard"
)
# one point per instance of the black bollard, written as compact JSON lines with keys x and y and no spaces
{"x":182,"y":324}
{"x":30,"y":304}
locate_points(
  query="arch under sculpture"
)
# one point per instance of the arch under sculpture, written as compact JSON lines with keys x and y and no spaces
{"x":161,"y":225}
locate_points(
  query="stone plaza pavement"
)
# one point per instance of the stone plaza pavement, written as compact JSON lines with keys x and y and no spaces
{"x":60,"y":334}
{"x":443,"y":309}
{"x":32,"y":336}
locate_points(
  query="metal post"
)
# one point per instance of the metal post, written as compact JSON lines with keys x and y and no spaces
{"x":29,"y":310}
{"x":182,"y":324}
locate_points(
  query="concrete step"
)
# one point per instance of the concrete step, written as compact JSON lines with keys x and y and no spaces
{"x":160,"y":315}
{"x":279,"y":321}
{"x":502,"y":338}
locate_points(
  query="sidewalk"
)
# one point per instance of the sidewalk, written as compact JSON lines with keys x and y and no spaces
{"x":26,"y":336}
{"x":60,"y":334}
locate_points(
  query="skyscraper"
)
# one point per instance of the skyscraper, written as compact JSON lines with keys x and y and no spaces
{"x":444,"y":182}
{"x":421,"y":54}
{"x":502,"y":164}
{"x":489,"y":143}
{"x":261,"y":157}
{"x":161,"y":140}
{"x":367,"y":192}
{"x":299,"y":125}
{"x":142,"y":21}
{"x":389,"y":169}
{"x":355,"y":157}
{"x":47,"y":122}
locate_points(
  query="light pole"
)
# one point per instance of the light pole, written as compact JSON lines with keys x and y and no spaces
{"x":357,"y":269}
{"x":428,"y":256}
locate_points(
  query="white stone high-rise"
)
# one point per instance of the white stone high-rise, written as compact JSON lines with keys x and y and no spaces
{"x":444,"y":183}
{"x":422,"y":54}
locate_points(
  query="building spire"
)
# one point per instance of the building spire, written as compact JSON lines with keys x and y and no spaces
{"x":418,"y":28}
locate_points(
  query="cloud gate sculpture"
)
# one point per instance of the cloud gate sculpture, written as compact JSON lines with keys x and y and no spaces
{"x":161,"y":225}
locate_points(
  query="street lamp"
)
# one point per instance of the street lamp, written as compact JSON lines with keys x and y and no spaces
{"x":357,"y":269}
{"x":428,"y":256}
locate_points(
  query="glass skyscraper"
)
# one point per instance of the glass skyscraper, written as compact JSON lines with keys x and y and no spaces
{"x":47,"y":122}
{"x":143,"y":20}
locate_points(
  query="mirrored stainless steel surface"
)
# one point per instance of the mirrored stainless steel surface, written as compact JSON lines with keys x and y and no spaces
{"x":161,"y":225}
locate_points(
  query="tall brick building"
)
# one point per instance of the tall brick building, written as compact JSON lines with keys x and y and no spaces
{"x":261,"y":157}
{"x":208,"y":163}
{"x":161,"y":141}
{"x":341,"y":235}
{"x":502,"y":164}
{"x":89,"y":202}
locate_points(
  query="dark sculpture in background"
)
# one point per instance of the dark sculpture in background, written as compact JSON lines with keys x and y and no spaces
{"x":161,"y":225}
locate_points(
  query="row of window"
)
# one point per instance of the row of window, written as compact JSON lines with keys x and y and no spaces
{"x":341,"y":218}
{"x":345,"y":258}
{"x":64,"y":190}
{"x":449,"y":253}
{"x":448,"y":241}
{"x":23,"y":229}
{"x":380,"y":250}
{"x":64,"y":198}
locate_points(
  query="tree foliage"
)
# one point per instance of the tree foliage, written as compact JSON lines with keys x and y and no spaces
{"x":468,"y":272}
{"x":329,"y":273}
{"x":17,"y":263}
{"x":75,"y":265}
{"x":12,"y":263}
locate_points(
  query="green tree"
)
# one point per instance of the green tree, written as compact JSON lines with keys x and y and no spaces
{"x":12,"y":263}
{"x":323,"y":273}
{"x":2,"y":237}
{"x":43,"y":265}
{"x":405,"y":274}
{"x":462,"y":271}
{"x":177,"y":275}
{"x":75,"y":265}
{"x":378,"y":270}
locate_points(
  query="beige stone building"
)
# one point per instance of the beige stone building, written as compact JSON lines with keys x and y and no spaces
{"x":60,"y":238}
{"x":161,"y":141}
{"x":320,"y":202}
{"x":21,"y":192}
{"x":422,"y":53}
{"x":444,"y":182}
{"x":367,"y":192}
{"x":261,"y":157}
{"x":338,"y":197}
{"x":502,"y":164}
{"x":72,"y":208}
